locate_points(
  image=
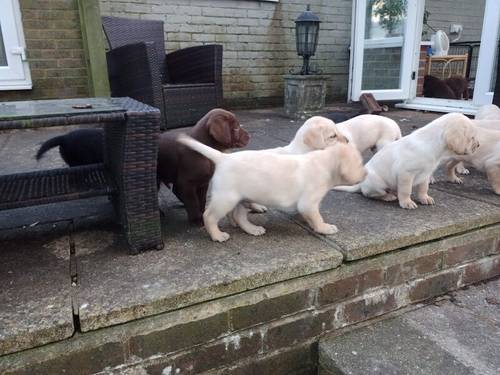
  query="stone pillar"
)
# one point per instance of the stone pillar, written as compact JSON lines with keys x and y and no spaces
{"x":304,"y":95}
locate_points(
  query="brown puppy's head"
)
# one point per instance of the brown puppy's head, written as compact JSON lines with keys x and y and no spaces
{"x":351,"y":169}
{"x":225,"y":129}
{"x":321,"y":132}
{"x":460,"y":134}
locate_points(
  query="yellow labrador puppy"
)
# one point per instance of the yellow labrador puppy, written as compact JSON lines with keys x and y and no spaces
{"x":485,"y":159}
{"x":370,"y":131}
{"x":283,"y":181}
{"x":410,"y":161}
{"x":365,"y":131}
{"x":488,"y":112}
{"x":484,"y":124}
{"x":316,"y":133}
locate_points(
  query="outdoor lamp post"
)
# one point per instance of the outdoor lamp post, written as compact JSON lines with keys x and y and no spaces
{"x":306,"y":32}
{"x":305,"y":92}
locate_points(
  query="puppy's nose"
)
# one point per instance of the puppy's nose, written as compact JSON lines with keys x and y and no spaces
{"x":242,"y":138}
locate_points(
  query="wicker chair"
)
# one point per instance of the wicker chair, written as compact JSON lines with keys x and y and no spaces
{"x":184,"y":84}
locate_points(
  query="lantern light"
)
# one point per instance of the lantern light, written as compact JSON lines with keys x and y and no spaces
{"x":306,"y":32}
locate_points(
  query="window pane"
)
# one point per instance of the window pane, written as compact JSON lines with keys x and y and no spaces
{"x":381,"y":68}
{"x":385,"y":18}
{"x":3,"y":57}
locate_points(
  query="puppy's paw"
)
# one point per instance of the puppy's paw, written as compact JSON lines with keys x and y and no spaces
{"x":220,"y":237}
{"x":456,"y":180}
{"x":258,"y":208}
{"x":389,"y":197}
{"x":256,"y":230}
{"x":327,"y":229}
{"x":432,"y":180}
{"x":408,"y":204}
{"x":462,"y":170}
{"x":426,"y":199}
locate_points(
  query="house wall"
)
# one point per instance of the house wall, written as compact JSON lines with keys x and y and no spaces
{"x":258,"y":39}
{"x":468,"y":13}
{"x":54,"y":49}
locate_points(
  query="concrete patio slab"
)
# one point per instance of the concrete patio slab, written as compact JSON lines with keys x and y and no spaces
{"x":454,"y":336}
{"x":368,"y":227}
{"x":115,"y":287}
{"x":387,"y":348}
{"x":475,"y":186}
{"x":35,"y":293}
{"x":18,"y":150}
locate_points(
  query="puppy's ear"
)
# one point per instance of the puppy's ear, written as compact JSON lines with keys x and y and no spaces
{"x":340,"y":137}
{"x":219,"y":129}
{"x":456,"y":139}
{"x":351,"y":165}
{"x":314,"y":138}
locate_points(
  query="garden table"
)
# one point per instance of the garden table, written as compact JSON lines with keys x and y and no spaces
{"x":127,"y":175}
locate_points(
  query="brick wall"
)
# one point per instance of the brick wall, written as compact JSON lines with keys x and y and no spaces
{"x":258,"y":39}
{"x":54,"y":49}
{"x":273,"y":329}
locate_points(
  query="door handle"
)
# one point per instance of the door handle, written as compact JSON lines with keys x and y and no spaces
{"x":19,"y":51}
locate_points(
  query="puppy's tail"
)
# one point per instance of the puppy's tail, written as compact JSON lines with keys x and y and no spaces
{"x":201,"y":148}
{"x":47,"y":145}
{"x":350,"y":189}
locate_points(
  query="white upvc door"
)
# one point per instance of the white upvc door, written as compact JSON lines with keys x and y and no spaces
{"x":483,"y":86}
{"x":383,"y":50}
{"x":14,"y":69}
{"x":483,"y":93}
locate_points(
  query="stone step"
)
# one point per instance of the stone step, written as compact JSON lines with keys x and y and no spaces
{"x":459,"y":336}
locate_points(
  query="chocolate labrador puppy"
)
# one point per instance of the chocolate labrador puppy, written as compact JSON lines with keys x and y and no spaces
{"x":459,"y":85}
{"x":437,"y":88}
{"x":188,"y":171}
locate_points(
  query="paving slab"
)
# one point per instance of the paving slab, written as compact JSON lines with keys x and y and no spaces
{"x":115,"y":287}
{"x":387,"y":348}
{"x":483,"y":300}
{"x":368,"y":227}
{"x":35,"y":293}
{"x":450,"y":337}
{"x":18,"y":150}
{"x":473,"y":340}
{"x":475,"y":186}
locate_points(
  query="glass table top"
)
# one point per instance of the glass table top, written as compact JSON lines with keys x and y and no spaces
{"x":58,"y":107}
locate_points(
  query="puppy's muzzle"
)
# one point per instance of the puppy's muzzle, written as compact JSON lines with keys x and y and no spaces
{"x":240,"y":137}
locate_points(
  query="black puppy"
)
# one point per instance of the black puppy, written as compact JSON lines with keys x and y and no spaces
{"x":79,"y":147}
{"x":338,"y":116}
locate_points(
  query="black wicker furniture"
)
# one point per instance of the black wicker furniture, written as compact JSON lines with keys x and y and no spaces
{"x":128,"y":174}
{"x":184,"y":84}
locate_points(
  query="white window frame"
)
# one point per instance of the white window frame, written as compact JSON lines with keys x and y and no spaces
{"x":16,"y":75}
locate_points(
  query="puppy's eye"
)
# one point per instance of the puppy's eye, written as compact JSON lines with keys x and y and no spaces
{"x":333,"y":136}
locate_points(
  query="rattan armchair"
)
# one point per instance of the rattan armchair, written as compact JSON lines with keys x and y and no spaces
{"x":184,"y":84}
